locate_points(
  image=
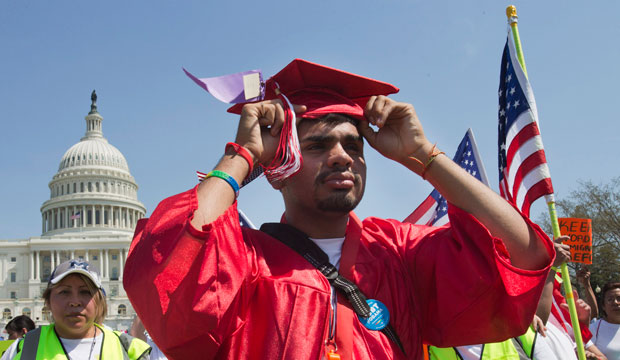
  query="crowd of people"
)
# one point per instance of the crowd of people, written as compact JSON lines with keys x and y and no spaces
{"x":78,"y":306}
{"x":321,"y":283}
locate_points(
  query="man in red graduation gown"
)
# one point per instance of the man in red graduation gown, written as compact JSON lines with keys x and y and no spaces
{"x":206,"y":288}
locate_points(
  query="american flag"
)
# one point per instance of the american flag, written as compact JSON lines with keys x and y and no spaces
{"x":523,"y":172}
{"x":77,"y":215}
{"x":434,"y":210}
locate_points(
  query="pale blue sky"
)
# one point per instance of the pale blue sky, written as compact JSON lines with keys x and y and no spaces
{"x":445,"y":57}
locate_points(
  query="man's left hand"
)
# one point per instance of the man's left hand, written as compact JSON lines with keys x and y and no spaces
{"x":399,"y":133}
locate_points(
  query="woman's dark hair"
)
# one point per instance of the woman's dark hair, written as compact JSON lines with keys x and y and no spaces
{"x":20,"y":322}
{"x":607,"y":287}
{"x":610,"y":286}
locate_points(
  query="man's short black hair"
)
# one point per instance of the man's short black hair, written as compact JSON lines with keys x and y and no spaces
{"x":334,"y":119}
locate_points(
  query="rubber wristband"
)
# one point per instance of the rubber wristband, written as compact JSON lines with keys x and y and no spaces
{"x":224,"y":176}
{"x":243,"y":152}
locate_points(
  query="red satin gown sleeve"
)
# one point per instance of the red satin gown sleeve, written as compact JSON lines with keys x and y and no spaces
{"x":465,"y":289}
{"x":187,"y":285}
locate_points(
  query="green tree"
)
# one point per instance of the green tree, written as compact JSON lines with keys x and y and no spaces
{"x":601,"y":203}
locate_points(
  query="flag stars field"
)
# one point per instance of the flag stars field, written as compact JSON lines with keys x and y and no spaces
{"x":434,"y":210}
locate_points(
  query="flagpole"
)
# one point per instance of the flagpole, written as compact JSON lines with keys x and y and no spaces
{"x":511,"y":13}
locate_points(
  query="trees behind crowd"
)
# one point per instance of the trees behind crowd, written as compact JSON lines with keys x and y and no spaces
{"x":601,"y":203}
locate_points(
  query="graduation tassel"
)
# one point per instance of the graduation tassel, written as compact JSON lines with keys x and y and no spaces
{"x":248,"y":86}
{"x":287,"y":161}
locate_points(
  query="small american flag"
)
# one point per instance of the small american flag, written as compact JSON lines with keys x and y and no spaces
{"x":434,"y":210}
{"x":245,"y":221}
{"x":523,"y":172}
{"x":75,"y":216}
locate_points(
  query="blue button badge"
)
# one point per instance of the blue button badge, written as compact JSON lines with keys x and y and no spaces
{"x":379,"y":315}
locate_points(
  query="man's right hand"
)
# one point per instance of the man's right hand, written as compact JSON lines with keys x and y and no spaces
{"x":258,"y":132}
{"x":260,"y":126}
{"x":562,"y":251}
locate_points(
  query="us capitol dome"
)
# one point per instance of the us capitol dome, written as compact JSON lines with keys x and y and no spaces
{"x":93,"y":189}
{"x":90,"y":215}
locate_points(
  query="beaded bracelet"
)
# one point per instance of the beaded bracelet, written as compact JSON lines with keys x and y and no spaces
{"x":243,"y":152}
{"x":224,"y":176}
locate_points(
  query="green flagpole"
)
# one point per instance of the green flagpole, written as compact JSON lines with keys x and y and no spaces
{"x":511,"y":13}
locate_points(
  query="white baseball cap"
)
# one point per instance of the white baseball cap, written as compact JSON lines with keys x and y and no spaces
{"x":76,"y":267}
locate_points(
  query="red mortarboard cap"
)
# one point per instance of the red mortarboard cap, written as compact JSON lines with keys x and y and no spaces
{"x":323,"y":89}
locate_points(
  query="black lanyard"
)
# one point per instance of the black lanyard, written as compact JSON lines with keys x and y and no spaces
{"x":298,"y":241}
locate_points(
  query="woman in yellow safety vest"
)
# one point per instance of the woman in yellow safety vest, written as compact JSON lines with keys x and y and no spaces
{"x":76,"y":300}
{"x":518,"y":348}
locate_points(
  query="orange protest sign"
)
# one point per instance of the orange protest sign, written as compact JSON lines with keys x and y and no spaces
{"x":580,"y":242}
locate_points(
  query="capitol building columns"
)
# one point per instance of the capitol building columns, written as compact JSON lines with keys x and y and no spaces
{"x":37,"y":266}
{"x":109,"y":261}
{"x":32,"y":271}
{"x":105,"y":216}
{"x":91,"y":214}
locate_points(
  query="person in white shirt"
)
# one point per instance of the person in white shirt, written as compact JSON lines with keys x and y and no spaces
{"x":606,"y":331}
{"x":557,"y":332}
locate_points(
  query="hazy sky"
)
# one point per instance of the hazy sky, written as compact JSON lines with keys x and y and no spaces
{"x":445,"y":57}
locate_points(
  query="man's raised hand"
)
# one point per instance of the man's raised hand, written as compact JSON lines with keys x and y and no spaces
{"x":399,"y":134}
{"x":562,"y":251}
{"x":259,"y":128}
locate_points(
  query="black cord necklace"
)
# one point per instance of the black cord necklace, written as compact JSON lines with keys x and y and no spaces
{"x":92,"y":346}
